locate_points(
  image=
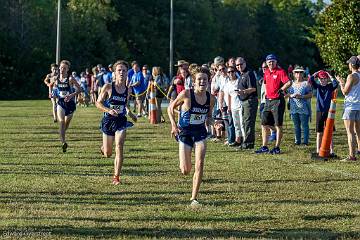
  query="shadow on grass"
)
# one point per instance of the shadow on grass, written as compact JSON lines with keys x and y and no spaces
{"x":168,"y":233}
{"x":120,"y":200}
{"x":328,"y":217}
{"x":80,"y":173}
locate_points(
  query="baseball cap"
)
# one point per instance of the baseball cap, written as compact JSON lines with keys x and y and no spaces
{"x":354,"y":60}
{"x":271,"y":57}
{"x":322,"y":74}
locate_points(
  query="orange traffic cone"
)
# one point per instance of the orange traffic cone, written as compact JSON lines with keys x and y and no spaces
{"x":152,"y":104}
{"x":324,"y":151}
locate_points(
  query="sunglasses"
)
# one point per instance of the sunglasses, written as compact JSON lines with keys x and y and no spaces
{"x":221,"y":69}
{"x":230,"y":71}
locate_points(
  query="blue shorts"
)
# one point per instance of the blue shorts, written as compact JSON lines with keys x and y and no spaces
{"x":353,"y":115}
{"x":110,"y":125}
{"x":189,"y":138}
{"x":69,"y":107}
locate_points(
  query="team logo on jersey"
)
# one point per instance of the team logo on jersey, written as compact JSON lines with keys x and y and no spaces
{"x":274,"y":76}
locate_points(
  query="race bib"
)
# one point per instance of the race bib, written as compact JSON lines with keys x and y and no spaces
{"x":118,"y":108}
{"x":197,"y":118}
{"x":63,"y":94}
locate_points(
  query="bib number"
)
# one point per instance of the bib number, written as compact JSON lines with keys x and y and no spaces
{"x":118,"y":108}
{"x":197,"y":118}
{"x":63,"y":94}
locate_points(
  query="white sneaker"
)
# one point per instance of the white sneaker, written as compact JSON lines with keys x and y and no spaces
{"x":194,"y":203}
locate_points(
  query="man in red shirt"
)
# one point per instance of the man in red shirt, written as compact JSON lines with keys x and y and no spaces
{"x":276,"y":82}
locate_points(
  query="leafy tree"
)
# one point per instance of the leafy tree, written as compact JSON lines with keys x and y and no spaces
{"x":337,"y":33}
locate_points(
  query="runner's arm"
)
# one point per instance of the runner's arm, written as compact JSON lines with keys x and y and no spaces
{"x":102,"y":97}
{"x":128,"y":110}
{"x":171,"y":110}
{"x":47,"y":80}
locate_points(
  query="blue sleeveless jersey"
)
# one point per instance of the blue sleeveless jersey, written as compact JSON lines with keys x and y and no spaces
{"x":194,"y":119}
{"x":110,"y":124}
{"x":117,"y":101}
{"x":63,"y":89}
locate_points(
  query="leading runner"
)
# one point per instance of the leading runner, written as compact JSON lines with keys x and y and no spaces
{"x":195,"y":112}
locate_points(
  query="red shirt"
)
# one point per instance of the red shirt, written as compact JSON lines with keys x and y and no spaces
{"x":180,"y":86}
{"x":274,"y":81}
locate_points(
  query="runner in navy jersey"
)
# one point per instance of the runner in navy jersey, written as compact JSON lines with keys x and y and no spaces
{"x":50,"y":81}
{"x":195,"y":114}
{"x":114,"y":122}
{"x":63,"y":91}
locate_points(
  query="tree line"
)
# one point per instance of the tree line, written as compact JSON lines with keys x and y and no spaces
{"x":101,"y":31}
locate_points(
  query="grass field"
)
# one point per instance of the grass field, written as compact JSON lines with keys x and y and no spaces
{"x":47,"y":194}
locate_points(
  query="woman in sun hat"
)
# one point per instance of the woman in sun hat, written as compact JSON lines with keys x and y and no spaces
{"x":299,"y":94}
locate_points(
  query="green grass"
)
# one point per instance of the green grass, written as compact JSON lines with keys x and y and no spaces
{"x":47,"y":194}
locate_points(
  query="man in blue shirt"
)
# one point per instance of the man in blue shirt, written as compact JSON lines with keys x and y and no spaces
{"x":137,"y":82}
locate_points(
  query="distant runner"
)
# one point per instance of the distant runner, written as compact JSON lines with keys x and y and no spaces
{"x":65,"y":95}
{"x":50,"y":80}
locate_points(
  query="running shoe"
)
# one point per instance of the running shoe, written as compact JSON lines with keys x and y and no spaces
{"x":263,"y":149}
{"x":64,"y":147}
{"x":275,"y":150}
{"x":349,"y":159}
{"x":195,"y":203}
{"x":116,"y":180}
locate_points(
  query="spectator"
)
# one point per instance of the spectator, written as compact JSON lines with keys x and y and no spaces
{"x":249,"y":102}
{"x":216,"y":83}
{"x":161,"y":84}
{"x":235,"y":107}
{"x":183,"y":79}
{"x":272,"y":136}
{"x":147,"y":78}
{"x":138,"y":84}
{"x":106,"y":76}
{"x":351,"y":116}
{"x":299,"y":95}
{"x":111,"y":72}
{"x":276,"y":82}
{"x":94,"y":86}
{"x":323,"y":99}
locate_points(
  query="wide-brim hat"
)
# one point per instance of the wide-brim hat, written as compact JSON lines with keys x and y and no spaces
{"x":181,"y":62}
{"x":298,"y":69}
{"x":219,"y":60}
